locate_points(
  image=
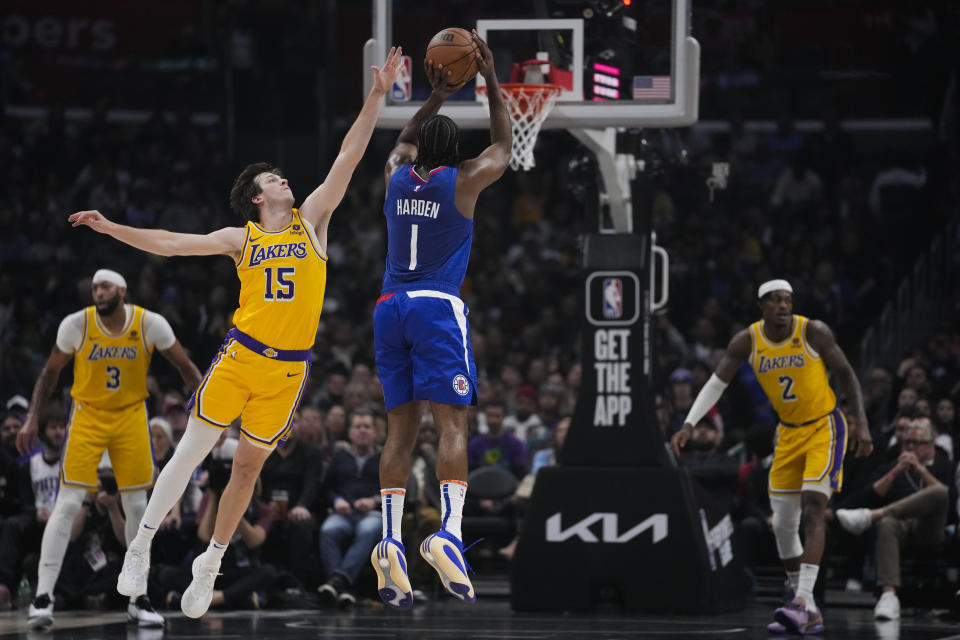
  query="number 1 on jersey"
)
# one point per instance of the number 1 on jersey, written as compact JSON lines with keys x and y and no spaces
{"x":413,"y":246}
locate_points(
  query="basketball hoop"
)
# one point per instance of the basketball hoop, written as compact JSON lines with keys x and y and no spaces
{"x":529,"y":105}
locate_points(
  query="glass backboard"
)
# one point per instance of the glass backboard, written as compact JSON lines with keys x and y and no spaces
{"x":626,"y":63}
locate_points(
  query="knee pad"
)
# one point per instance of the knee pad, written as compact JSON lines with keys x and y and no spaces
{"x":786,"y":525}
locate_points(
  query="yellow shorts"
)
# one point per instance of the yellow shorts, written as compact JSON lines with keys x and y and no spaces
{"x":123,"y":433}
{"x":264,"y":392}
{"x":810,"y":458}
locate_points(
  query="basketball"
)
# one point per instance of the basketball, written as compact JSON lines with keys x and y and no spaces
{"x":454,"y":49}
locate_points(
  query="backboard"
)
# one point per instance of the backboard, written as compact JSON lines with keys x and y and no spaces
{"x":632,"y":62}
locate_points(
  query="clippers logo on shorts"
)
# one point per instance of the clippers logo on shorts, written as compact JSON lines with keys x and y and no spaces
{"x":461,"y":385}
{"x":612,"y":298}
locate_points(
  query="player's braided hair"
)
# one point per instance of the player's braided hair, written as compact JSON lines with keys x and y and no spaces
{"x":438,"y":143}
{"x":245,"y":188}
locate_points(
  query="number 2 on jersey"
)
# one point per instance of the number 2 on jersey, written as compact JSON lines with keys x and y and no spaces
{"x":787,"y":383}
{"x":283,"y":289}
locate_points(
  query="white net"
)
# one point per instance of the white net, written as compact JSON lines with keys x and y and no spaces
{"x":528,"y":105}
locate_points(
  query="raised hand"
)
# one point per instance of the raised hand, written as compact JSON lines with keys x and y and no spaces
{"x":484,"y":56}
{"x":440,"y":79}
{"x":93,"y":219}
{"x":384,"y":78}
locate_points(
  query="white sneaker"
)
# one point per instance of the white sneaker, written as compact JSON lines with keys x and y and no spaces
{"x":133,"y":575}
{"x":142,"y":612}
{"x":856,"y":521}
{"x":40,"y":612}
{"x":196,"y":599}
{"x":888,"y":607}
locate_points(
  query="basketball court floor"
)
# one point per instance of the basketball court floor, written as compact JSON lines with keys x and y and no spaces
{"x":490,"y":618}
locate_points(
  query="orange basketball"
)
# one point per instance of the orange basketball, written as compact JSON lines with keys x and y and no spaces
{"x":454,"y":49}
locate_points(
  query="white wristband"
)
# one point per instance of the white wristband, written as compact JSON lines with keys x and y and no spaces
{"x":705,"y":400}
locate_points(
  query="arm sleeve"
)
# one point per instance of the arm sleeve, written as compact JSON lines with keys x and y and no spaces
{"x":705,"y":400}
{"x":70,"y":333}
{"x":158,"y":331}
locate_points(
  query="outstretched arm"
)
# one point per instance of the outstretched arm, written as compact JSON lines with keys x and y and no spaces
{"x":479,"y":173}
{"x":320,"y":204}
{"x":737,"y":351}
{"x":226,"y":241}
{"x":820,"y":337}
{"x":405,"y":150}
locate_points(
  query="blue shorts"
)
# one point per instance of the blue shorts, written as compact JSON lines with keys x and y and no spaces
{"x":422,"y":340}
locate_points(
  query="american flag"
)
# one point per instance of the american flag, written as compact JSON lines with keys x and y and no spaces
{"x":651,"y":87}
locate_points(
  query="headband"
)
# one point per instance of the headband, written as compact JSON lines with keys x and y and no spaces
{"x":111,"y":276}
{"x":773,"y":285}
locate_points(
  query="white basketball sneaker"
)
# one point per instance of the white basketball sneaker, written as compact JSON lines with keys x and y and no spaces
{"x":40,"y":612}
{"x":132,"y":580}
{"x":196,"y":599}
{"x":142,"y":612}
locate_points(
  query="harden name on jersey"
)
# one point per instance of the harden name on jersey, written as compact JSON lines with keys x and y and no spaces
{"x":417,"y":207}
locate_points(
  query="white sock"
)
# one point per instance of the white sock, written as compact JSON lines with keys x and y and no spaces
{"x":808,"y":578}
{"x":56,"y":537}
{"x":197,"y":442}
{"x":215,"y":550}
{"x":452,"y":494}
{"x":794,"y":578}
{"x":391,"y":502}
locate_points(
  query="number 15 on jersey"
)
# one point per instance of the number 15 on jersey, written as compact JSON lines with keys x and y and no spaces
{"x":282,"y":288}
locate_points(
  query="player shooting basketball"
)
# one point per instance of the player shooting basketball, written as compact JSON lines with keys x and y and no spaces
{"x":790,"y":355}
{"x":421,"y":333}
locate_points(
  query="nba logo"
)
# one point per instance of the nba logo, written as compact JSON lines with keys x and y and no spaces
{"x":402,"y":88}
{"x":612,"y":298}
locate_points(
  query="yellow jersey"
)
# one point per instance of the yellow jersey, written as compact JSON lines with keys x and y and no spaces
{"x":282,"y":275}
{"x":110,"y":369}
{"x":792,"y":374}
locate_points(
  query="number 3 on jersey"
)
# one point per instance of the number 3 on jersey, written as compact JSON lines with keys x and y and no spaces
{"x":113,"y":377}
{"x":787,"y":383}
{"x":283,"y":288}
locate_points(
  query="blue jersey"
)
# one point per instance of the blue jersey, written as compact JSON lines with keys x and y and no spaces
{"x":428,"y":239}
